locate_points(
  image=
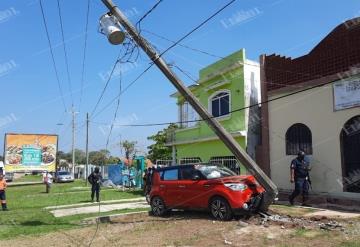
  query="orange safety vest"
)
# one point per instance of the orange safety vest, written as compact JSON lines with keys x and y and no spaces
{"x":2,"y":184}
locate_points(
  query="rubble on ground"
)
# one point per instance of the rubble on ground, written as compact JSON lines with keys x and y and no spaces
{"x":288,"y":222}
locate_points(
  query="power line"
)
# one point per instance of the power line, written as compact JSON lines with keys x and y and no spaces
{"x":236,"y":110}
{"x":65,"y":53}
{"x":115,"y":114}
{"x":166,"y":50}
{"x":197,"y":27}
{"x":138,"y":23}
{"x":222,"y":57}
{"x":106,"y":85}
{"x":52,"y":55}
{"x":84,"y":52}
{"x":182,"y":45}
{"x":125,"y":89}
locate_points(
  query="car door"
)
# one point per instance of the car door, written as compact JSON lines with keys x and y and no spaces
{"x":170,"y":187}
{"x":194,"y":189}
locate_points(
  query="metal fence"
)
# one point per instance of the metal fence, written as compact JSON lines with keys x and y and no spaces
{"x":163,"y":162}
{"x":227,"y":161}
{"x":190,"y":160}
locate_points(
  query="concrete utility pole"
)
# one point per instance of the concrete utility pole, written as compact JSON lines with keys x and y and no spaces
{"x":220,"y":131}
{"x":73,"y":113}
{"x":87,"y":149}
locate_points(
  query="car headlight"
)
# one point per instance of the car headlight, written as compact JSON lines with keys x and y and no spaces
{"x":236,"y":187}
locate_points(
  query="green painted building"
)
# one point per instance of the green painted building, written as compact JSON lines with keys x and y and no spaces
{"x":224,"y":87}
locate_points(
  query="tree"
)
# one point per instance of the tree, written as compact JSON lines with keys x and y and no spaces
{"x":97,"y":158}
{"x":64,"y":156}
{"x":129,"y":148}
{"x":80,"y":156}
{"x":158,"y":150}
{"x":112,"y":160}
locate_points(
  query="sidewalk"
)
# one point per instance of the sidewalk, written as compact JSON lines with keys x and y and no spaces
{"x":139,"y":199}
{"x":99,"y":208}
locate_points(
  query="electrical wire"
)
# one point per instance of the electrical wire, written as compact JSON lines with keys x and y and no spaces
{"x":182,"y":45}
{"x":236,"y":110}
{"x":165,"y":51}
{"x":65,"y":52}
{"x":115,"y":114}
{"x":52,"y":55}
{"x":138,"y":23}
{"x":106,"y":85}
{"x":84,"y":52}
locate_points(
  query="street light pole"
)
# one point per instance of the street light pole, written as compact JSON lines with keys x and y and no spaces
{"x":220,"y":131}
{"x":87,"y":149}
{"x":73,"y":113}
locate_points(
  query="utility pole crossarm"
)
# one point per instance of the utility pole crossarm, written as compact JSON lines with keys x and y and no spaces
{"x":220,"y":131}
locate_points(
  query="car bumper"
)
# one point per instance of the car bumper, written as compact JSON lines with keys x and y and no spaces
{"x":249,"y":207}
{"x":65,"y":180}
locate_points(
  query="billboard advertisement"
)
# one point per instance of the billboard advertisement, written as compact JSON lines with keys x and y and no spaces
{"x":30,"y":152}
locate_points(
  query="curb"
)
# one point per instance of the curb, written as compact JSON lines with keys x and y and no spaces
{"x":110,"y":218}
{"x":15,"y":184}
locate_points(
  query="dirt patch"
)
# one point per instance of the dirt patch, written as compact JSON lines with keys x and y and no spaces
{"x":198,"y":229}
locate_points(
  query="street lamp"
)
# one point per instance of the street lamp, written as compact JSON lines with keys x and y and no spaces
{"x":110,"y":27}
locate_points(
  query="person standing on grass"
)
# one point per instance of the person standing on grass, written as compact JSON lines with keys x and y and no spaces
{"x":47,"y":180}
{"x":95,"y":179}
{"x":2,"y":192}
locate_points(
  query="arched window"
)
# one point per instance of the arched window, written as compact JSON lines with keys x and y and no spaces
{"x":298,"y":137}
{"x":220,"y":104}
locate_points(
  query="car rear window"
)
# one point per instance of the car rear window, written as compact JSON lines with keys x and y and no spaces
{"x":64,"y":173}
{"x":172,"y":174}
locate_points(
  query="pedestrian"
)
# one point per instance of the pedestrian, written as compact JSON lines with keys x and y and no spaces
{"x":47,"y":180}
{"x":299,"y":174}
{"x":95,"y":179}
{"x":2,"y":192}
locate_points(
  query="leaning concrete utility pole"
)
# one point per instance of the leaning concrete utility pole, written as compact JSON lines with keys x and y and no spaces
{"x":220,"y":131}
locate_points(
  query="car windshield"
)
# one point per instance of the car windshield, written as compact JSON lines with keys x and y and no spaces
{"x":64,"y":173}
{"x":211,"y":171}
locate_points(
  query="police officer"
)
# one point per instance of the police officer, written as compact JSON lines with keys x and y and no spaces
{"x":2,"y":192}
{"x":95,"y":179}
{"x":299,"y":174}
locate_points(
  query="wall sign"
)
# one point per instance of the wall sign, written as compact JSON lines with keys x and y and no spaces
{"x":346,"y":94}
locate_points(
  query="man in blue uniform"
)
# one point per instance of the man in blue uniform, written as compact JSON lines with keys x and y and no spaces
{"x":299,"y":174}
{"x":95,"y":180}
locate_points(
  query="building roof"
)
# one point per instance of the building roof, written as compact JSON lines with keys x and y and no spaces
{"x":338,"y":52}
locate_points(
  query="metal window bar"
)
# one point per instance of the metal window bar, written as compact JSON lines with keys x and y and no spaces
{"x":227,"y":161}
{"x":189,"y":160}
{"x":163,"y":162}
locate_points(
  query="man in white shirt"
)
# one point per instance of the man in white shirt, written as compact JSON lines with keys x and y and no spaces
{"x":47,"y":180}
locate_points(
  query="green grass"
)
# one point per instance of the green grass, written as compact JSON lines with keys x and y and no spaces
{"x":26,"y":205}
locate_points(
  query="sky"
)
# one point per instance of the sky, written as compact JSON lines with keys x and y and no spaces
{"x":31,"y":101}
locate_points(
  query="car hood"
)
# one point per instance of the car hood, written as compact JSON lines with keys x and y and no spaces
{"x":233,"y":179}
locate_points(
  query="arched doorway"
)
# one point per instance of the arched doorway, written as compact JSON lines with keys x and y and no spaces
{"x":350,"y":146}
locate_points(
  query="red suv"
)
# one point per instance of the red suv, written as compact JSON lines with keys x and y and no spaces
{"x":209,"y":187}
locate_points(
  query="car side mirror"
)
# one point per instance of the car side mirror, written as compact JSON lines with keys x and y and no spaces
{"x":196,"y":177}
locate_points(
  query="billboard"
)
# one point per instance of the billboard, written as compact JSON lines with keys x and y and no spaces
{"x":30,"y":152}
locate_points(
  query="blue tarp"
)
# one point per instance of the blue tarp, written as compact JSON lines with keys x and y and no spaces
{"x":114,"y":173}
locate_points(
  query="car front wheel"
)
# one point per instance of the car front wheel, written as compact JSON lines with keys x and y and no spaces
{"x":158,"y":206}
{"x":220,"y":209}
